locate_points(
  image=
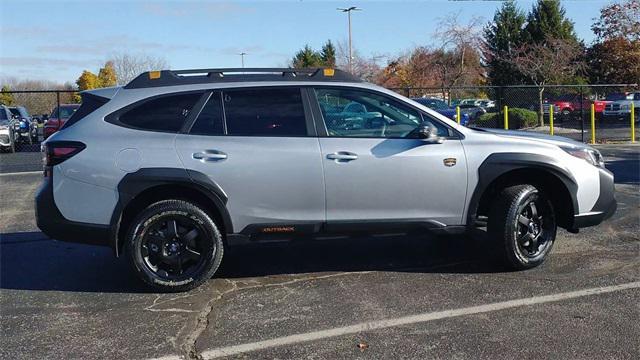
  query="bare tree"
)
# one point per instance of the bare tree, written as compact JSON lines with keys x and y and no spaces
{"x":38,"y":103}
{"x":551,"y":61}
{"x":128,"y":66}
{"x":364,"y":68}
{"x":458,"y":55}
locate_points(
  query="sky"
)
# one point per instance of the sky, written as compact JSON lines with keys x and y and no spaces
{"x":56,"y":40}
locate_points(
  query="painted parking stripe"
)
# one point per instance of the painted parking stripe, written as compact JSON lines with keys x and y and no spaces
{"x":21,"y":173}
{"x":406,"y":320}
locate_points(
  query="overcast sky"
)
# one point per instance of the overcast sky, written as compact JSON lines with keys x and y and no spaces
{"x":56,"y":40}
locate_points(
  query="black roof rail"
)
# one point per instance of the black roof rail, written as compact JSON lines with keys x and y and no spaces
{"x":205,"y":76}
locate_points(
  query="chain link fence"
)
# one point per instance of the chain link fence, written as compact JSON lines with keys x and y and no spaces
{"x":28,"y":117}
{"x":569,"y":108}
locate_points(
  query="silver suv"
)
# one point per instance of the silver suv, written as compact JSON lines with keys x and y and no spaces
{"x":176,"y":166}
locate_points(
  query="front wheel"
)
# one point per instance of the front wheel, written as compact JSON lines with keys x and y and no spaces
{"x":523,"y":222}
{"x":174,"y":246}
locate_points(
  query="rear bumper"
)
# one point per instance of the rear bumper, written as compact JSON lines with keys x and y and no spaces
{"x":604,"y":207}
{"x":56,"y":226}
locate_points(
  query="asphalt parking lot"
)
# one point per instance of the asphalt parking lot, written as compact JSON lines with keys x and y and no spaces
{"x":385,"y":297}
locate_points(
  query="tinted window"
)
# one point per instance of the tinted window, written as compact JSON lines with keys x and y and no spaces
{"x":90,"y":103}
{"x":378,"y":115}
{"x":167,"y":113}
{"x":265,"y":112}
{"x":210,"y":120}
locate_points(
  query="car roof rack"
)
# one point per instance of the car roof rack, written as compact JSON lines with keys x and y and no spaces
{"x":205,"y":76}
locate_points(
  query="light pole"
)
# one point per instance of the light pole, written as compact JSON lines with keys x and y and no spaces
{"x":242,"y":54}
{"x":348,"y":11}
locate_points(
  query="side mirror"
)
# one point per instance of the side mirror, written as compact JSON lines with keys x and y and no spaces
{"x":428,"y":133}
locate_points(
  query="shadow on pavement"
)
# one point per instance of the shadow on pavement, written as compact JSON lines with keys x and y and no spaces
{"x":30,"y":261}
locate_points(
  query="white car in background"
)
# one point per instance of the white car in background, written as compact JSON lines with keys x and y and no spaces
{"x":6,"y":141}
{"x":621,"y":109}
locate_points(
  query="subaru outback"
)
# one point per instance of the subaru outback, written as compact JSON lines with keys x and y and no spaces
{"x":177,"y":166}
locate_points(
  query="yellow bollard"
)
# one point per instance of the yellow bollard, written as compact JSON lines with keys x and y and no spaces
{"x":593,"y":124}
{"x":458,"y":114}
{"x":633,"y":123}
{"x":551,"y":119}
{"x":506,"y":117}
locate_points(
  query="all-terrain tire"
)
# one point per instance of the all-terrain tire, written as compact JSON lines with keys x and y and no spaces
{"x":209,"y":240}
{"x":506,"y":227}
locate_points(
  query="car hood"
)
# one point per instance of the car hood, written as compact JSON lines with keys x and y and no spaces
{"x":530,"y":135}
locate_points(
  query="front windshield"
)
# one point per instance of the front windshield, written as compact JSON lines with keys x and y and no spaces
{"x":616,"y":96}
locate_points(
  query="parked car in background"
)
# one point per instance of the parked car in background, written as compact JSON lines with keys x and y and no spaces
{"x":53,"y":123}
{"x":24,"y":123}
{"x":472,"y":110}
{"x":487,"y":104}
{"x":441,"y":107}
{"x":621,"y":109}
{"x":599,"y":105}
{"x":6,"y":140}
{"x":567,"y":106}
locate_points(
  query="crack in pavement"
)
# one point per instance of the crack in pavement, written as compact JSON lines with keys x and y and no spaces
{"x":188,"y":346}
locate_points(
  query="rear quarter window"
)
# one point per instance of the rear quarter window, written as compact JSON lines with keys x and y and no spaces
{"x":165,"y":113}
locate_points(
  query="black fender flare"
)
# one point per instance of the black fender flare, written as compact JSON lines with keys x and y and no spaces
{"x":133,"y":184}
{"x":498,"y":164}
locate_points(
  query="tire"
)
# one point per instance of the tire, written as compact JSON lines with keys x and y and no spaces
{"x":166,"y":253}
{"x":524,"y":233}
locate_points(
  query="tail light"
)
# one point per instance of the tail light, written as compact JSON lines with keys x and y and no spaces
{"x":55,"y":152}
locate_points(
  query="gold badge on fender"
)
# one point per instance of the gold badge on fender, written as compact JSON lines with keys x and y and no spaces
{"x":449,"y":162}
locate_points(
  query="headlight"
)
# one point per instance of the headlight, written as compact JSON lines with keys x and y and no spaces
{"x":592,"y":156}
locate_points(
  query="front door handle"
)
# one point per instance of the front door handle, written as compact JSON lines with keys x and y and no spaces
{"x":209,"y":156}
{"x":342,"y":156}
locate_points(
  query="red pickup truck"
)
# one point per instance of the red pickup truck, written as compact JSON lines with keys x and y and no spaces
{"x":53,"y":123}
{"x":568,"y":105}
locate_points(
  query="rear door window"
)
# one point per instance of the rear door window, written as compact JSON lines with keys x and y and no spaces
{"x":166,"y":113}
{"x":210,"y":121}
{"x":264,"y":112}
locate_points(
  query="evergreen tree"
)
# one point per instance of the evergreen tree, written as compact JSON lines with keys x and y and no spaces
{"x":547,"y":20}
{"x":502,"y":37}
{"x":328,"y":54}
{"x":307,"y":57}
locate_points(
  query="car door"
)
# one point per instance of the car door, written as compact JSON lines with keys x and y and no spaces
{"x":257,"y":146}
{"x":376,"y":171}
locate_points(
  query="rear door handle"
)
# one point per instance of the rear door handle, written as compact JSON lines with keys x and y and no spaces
{"x":209,"y":156}
{"x":342,"y":156}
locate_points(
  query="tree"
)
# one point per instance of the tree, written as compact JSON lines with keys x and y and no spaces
{"x":547,"y":19}
{"x":551,"y":61}
{"x":305,"y":58}
{"x":328,"y":54}
{"x":6,"y":98}
{"x":613,"y":58}
{"x":128,"y":66}
{"x":501,"y":37}
{"x":619,"y":20}
{"x":87,"y":81}
{"x":106,"y":75}
{"x":459,"y":52}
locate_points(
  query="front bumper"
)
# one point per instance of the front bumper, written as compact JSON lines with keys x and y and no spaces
{"x":56,"y":226}
{"x":604,"y":207}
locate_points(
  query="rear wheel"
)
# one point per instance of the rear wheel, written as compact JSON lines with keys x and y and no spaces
{"x":174,"y":245}
{"x":523,"y":222}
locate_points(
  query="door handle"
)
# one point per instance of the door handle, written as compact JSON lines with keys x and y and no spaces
{"x":209,"y":156}
{"x":342,"y":156}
